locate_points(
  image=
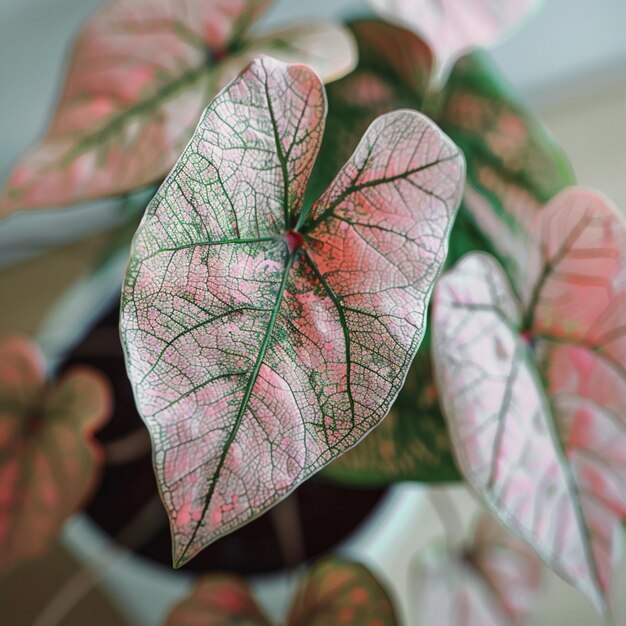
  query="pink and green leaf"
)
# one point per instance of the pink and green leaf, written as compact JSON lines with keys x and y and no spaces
{"x":549,"y":462}
{"x":513,"y":164}
{"x":140,"y":76}
{"x":48,"y":461}
{"x":264,"y":340}
{"x":340,"y":592}
{"x":453,"y":28}
{"x":493,"y":582}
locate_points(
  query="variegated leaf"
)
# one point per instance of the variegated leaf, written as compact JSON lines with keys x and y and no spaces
{"x":140,"y":76}
{"x":513,"y":164}
{"x":337,"y":591}
{"x":48,"y":461}
{"x":263,"y":340}
{"x":550,"y":464}
{"x":453,"y":27}
{"x":493,"y":582}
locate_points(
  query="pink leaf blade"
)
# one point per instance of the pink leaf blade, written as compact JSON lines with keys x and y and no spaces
{"x":453,"y":28}
{"x":218,"y":600}
{"x":135,"y":88}
{"x":234,"y":327}
{"x":505,"y":435}
{"x":48,"y":461}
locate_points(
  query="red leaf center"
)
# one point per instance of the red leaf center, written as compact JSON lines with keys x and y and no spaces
{"x":294,"y":240}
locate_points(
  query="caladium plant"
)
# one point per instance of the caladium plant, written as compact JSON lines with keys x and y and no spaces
{"x":140,"y":76}
{"x":264,"y":338}
{"x":493,"y":581}
{"x":513,"y":168}
{"x":535,"y":385}
{"x":335,"y":591}
{"x":48,"y":460}
{"x":453,"y":28}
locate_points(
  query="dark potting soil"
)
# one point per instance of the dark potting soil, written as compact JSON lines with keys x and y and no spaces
{"x":328,"y":513}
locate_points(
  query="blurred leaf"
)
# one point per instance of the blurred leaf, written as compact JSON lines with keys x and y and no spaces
{"x":218,"y":600}
{"x":548,"y":461}
{"x":452,"y":27}
{"x":48,"y":461}
{"x":513,"y":164}
{"x":492,"y":582}
{"x":140,"y":75}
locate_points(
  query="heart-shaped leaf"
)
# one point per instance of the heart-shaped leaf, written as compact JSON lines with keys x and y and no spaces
{"x":48,"y":462}
{"x":549,"y":462}
{"x":452,"y":27}
{"x":335,"y":591}
{"x":141,"y":74}
{"x":263,"y":340}
{"x":492,"y":582}
{"x":513,"y":164}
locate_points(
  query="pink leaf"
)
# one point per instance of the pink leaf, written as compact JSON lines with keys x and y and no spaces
{"x":494,"y":582}
{"x":48,"y":462}
{"x":141,"y":74}
{"x":551,"y":462}
{"x":263,"y":341}
{"x":453,"y":27}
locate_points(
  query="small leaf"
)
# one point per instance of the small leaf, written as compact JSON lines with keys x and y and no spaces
{"x":48,"y":462}
{"x":549,"y":464}
{"x":494,"y":582}
{"x":337,"y":591}
{"x":218,"y":600}
{"x":513,"y":164}
{"x":452,"y":27}
{"x":141,"y":74}
{"x":263,"y":341}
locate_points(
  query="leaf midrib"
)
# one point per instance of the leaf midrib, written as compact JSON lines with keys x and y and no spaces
{"x":243,"y":405}
{"x":142,"y":107}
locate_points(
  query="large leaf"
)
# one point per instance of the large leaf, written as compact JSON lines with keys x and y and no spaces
{"x":492,"y":582}
{"x":335,"y":591}
{"x":140,"y":76}
{"x":513,"y":164}
{"x":549,"y":462}
{"x":48,"y":461}
{"x":452,"y":27}
{"x":260,"y":350}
